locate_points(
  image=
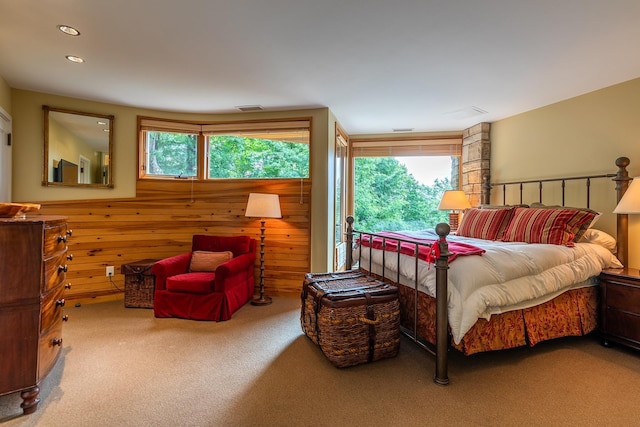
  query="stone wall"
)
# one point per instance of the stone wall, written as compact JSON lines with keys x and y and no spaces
{"x":476,"y":156}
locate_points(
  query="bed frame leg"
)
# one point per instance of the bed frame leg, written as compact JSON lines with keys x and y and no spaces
{"x":442,"y":319}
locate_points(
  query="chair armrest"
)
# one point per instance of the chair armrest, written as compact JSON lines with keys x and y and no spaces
{"x":234,"y":271}
{"x":168,"y":267}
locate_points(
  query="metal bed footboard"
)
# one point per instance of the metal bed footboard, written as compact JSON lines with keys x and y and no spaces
{"x":442,"y":266}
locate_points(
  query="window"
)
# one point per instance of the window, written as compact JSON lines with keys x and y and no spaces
{"x":275,"y":154}
{"x":390,"y":192}
{"x":171,"y":154}
{"x":242,"y":150}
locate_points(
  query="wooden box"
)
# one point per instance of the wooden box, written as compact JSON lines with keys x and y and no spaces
{"x":139,"y":283}
{"x":354,"y":318}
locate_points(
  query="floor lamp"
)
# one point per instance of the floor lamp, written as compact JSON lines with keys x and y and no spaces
{"x":454,"y":201}
{"x":262,"y":206}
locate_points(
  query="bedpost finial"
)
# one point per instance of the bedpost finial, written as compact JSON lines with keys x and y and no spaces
{"x":350,"y":220}
{"x":443,"y":229}
{"x":622,"y":162}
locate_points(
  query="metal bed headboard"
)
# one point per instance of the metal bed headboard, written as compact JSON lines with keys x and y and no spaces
{"x":621,"y":178}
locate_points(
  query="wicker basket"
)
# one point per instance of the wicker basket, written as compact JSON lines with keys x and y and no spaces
{"x":352,"y":317}
{"x":139,"y":283}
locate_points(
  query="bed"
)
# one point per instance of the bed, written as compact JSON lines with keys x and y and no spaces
{"x":514,"y":275}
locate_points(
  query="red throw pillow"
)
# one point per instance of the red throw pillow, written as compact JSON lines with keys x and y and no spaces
{"x":488,"y":224}
{"x":546,"y":225}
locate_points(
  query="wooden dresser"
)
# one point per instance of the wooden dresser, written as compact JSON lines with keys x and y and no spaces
{"x":33,"y":265}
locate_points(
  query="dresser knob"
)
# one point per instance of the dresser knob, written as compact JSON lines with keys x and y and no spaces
{"x":70,"y":257}
{"x":67,"y":286}
{"x":62,"y":268}
{"x":60,"y":303}
{"x":69,"y":232}
{"x":65,"y":318}
{"x":62,"y":238}
{"x":56,"y":341}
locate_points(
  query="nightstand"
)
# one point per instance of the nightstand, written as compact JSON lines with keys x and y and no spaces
{"x":620,"y":307}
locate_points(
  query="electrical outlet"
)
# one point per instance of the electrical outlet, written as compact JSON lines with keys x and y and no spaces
{"x":109,"y":271}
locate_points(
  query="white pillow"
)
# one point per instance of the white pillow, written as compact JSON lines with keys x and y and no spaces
{"x":601,"y":238}
{"x":595,"y":220}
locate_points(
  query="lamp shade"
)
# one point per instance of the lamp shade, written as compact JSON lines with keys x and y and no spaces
{"x":630,"y":202}
{"x":262,"y":205}
{"x":454,"y":200}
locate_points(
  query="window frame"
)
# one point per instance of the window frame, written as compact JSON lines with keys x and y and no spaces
{"x":448,"y":144}
{"x":342,"y":160}
{"x":204,"y":129}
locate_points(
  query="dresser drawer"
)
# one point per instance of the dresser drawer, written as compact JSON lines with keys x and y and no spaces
{"x":55,"y":238}
{"x":49,"y":348}
{"x":52,"y":309}
{"x":623,"y":324}
{"x":54,"y":271}
{"x":623,"y":296}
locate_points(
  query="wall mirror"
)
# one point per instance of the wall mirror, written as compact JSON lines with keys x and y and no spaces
{"x":77,"y":148}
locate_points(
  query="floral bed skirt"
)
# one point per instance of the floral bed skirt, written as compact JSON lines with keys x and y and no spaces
{"x":573,"y":313}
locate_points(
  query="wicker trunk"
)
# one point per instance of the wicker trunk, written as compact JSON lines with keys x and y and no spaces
{"x":139,"y":283}
{"x":352,"y":317}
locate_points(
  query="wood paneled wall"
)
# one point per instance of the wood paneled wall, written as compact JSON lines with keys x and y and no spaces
{"x":162,"y":218}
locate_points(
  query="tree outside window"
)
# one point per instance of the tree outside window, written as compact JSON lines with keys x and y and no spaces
{"x":171,"y":154}
{"x":389,"y":197}
{"x":233,"y":156}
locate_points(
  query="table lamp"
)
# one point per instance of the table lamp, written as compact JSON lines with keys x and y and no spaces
{"x":629,"y":204}
{"x":262,"y":206}
{"x":454,"y":201}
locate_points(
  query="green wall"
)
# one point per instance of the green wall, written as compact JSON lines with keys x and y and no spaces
{"x":581,"y":135}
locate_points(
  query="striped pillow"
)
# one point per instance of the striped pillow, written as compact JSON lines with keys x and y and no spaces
{"x":546,"y":225}
{"x":584,"y":227}
{"x":487,"y":224}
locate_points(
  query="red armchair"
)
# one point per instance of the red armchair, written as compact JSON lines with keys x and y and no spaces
{"x":206,"y":295}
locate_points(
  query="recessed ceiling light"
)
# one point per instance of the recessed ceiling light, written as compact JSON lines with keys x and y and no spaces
{"x":68,"y":30}
{"x":75,"y":59}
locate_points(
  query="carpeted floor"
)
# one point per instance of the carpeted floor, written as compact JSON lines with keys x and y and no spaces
{"x":123,"y":367}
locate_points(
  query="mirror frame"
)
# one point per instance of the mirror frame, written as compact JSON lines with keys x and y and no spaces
{"x":45,"y":172}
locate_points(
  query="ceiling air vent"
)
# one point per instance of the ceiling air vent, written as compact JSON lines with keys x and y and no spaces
{"x":465,"y":113}
{"x":250,"y":108}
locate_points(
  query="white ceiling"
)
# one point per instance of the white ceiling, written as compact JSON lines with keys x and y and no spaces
{"x":377,"y":64}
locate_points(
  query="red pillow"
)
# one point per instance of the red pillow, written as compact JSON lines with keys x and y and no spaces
{"x":488,"y":224}
{"x":546,"y":225}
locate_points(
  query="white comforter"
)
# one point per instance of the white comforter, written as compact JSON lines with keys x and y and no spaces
{"x":508,"y":276}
